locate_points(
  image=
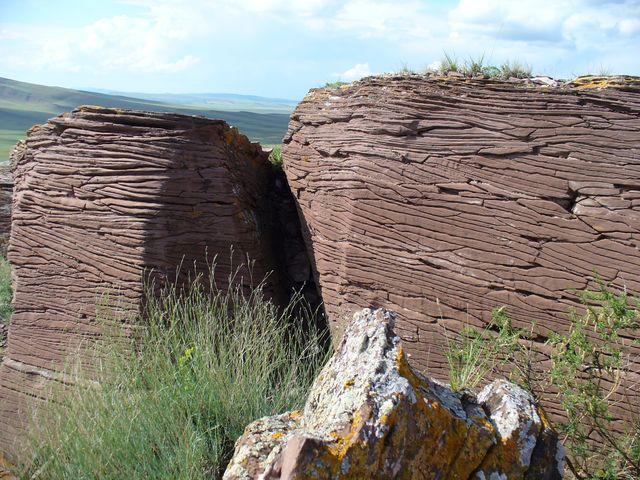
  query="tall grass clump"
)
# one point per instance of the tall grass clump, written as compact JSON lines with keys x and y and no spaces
{"x":515,"y":69}
{"x":590,"y":377}
{"x":171,"y":403}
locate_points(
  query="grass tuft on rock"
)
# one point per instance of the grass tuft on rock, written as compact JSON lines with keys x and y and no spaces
{"x":171,"y":404}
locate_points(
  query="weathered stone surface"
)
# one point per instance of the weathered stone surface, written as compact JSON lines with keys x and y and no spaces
{"x":522,"y":429}
{"x":6,"y":190}
{"x":444,"y":198}
{"x":100,"y":196}
{"x":369,"y":415}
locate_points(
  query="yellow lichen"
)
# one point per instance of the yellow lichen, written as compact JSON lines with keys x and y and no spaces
{"x":349,"y":383}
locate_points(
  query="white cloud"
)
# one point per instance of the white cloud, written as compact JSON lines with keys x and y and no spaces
{"x":565,"y":23}
{"x":169,"y":36}
{"x":356,"y":72}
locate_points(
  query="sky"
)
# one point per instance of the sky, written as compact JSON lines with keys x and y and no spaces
{"x":282,"y":48}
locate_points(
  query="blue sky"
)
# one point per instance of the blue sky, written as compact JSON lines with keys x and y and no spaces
{"x":281,"y":48}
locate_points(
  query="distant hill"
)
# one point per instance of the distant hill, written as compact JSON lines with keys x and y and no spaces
{"x":214,"y":101}
{"x":23,"y":105}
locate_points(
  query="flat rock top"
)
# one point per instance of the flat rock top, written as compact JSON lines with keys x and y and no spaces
{"x":538,"y":82}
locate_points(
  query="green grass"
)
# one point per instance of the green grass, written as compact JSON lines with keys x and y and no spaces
{"x":23,"y":105}
{"x":5,"y":290}
{"x":206,"y":364}
{"x":477,"y":67}
{"x":8,"y":139}
{"x":335,"y":84}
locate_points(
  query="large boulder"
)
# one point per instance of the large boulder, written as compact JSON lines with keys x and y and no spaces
{"x":443,"y":198}
{"x":370,"y":415}
{"x":103,"y":195}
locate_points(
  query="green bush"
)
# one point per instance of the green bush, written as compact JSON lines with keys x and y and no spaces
{"x":588,"y":364}
{"x":275,"y":156}
{"x":171,"y":404}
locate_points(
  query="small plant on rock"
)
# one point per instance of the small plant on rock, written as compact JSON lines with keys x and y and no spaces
{"x":515,"y":69}
{"x":275,"y":156}
{"x":479,"y":353}
{"x":449,"y":63}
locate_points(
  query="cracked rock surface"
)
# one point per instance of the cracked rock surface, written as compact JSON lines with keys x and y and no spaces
{"x":370,"y":415}
{"x":444,"y":198}
{"x":100,"y":196}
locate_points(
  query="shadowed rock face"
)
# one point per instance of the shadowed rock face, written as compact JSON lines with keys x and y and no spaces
{"x":6,"y":189}
{"x":100,"y":196}
{"x":443,"y":199}
{"x":370,"y":416}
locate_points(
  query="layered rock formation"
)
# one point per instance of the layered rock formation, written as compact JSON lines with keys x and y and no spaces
{"x":369,"y":415}
{"x":6,"y":190}
{"x":444,"y":198}
{"x":102,"y":195}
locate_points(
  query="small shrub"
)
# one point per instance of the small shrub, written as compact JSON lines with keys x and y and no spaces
{"x":171,"y":405}
{"x":275,"y":156}
{"x":588,"y":363}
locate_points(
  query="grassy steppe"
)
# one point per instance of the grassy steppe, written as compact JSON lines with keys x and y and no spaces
{"x":24,"y":104}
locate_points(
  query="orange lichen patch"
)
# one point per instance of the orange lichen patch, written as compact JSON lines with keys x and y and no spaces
{"x":349,"y":383}
{"x":277,"y":435}
{"x":543,"y":419}
{"x":5,"y":470}
{"x":295,"y":414}
{"x":591,"y":82}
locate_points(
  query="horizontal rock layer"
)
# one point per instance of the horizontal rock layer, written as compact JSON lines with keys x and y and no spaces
{"x":6,"y":190}
{"x":102,"y":195}
{"x":370,"y":416}
{"x":443,"y":199}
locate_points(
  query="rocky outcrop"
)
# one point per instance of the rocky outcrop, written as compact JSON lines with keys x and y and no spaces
{"x":6,"y":190}
{"x":370,"y":415}
{"x":443,"y":198}
{"x":102,"y":195}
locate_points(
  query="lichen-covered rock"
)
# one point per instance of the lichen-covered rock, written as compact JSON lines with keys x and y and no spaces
{"x":523,"y":430}
{"x":370,"y":416}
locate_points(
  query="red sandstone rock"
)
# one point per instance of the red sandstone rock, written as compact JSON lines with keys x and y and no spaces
{"x":6,"y":190}
{"x":101,"y":195}
{"x":442,"y":199}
